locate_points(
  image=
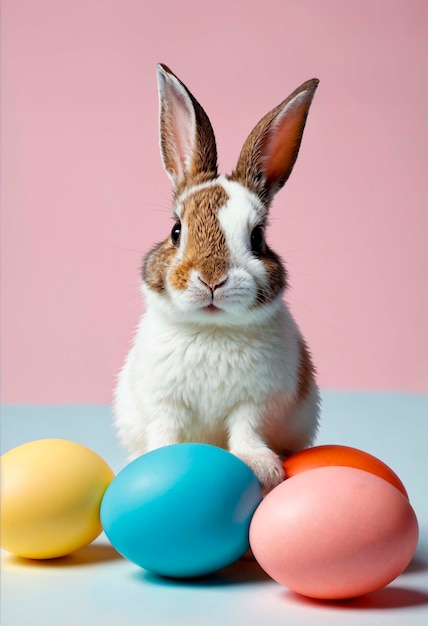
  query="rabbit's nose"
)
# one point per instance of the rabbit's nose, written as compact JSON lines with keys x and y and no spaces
{"x":213,"y":286}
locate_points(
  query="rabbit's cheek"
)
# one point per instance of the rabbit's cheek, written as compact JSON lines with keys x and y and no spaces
{"x":155,"y":266}
{"x":179,"y":276}
{"x":276,"y":278}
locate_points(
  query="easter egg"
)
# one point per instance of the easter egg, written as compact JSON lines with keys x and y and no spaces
{"x":181,"y":511}
{"x":334,"y":533}
{"x":50,"y":499}
{"x":334,"y":455}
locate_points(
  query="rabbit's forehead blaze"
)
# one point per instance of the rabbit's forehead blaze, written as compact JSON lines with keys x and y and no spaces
{"x":206,"y":250}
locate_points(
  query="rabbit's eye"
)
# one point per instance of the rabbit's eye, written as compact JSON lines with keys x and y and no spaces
{"x":257,"y":239}
{"x":175,"y":232}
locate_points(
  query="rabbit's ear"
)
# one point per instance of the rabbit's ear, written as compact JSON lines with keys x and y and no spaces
{"x":268,"y":155}
{"x":186,"y":136}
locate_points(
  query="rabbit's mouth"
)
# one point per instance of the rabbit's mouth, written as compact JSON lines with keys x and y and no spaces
{"x":212,"y":309}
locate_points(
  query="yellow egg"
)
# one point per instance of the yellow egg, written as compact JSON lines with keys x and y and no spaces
{"x":50,"y":498}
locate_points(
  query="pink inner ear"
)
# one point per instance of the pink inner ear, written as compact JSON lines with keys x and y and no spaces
{"x":183,"y":131}
{"x":282,"y":141}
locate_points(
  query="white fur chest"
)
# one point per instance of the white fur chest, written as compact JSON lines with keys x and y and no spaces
{"x":208,"y":370}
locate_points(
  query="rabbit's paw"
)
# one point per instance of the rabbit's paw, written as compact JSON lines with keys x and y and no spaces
{"x":267,"y":467}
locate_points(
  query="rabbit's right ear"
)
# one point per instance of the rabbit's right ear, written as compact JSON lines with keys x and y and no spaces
{"x":187,"y":139}
{"x":270,"y":151}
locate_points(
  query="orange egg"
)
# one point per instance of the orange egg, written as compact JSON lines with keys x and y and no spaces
{"x":343,"y":456}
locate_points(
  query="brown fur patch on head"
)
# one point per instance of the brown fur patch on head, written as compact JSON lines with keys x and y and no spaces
{"x":275,"y":273}
{"x":206,"y":250}
{"x":191,"y":181}
{"x":156,"y":265}
{"x":306,"y":373}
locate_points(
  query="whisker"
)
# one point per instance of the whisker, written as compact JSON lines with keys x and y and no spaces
{"x":301,"y":249}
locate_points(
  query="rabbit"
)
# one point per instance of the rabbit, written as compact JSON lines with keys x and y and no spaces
{"x":217,"y":357}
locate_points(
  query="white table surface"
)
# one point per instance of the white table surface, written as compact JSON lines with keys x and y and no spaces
{"x":97,"y":586}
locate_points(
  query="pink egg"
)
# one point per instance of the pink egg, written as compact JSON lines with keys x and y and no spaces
{"x":334,"y":533}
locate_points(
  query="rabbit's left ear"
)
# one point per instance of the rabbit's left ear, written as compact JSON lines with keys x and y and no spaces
{"x":186,"y":136}
{"x":268,"y":155}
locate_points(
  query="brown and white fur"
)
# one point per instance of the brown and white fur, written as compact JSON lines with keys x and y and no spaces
{"x":217,"y":356}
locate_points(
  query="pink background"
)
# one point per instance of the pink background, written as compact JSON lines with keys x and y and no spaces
{"x":84,"y":194}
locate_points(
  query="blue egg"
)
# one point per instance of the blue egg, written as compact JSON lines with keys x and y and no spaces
{"x":182,"y":511}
